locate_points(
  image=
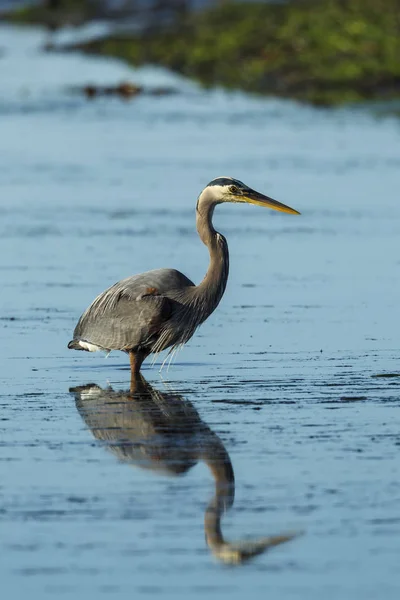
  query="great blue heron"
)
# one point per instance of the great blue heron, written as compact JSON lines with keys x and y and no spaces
{"x":161,"y":309}
{"x":163,"y":432}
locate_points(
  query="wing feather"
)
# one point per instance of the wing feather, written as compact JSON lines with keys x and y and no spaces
{"x":132,"y":313}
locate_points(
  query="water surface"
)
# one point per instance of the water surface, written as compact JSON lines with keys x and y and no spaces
{"x":291,"y":372}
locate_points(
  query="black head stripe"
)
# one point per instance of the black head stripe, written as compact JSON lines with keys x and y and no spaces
{"x":222,"y":181}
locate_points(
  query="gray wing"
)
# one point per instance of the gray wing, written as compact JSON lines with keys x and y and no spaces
{"x":131,"y":313}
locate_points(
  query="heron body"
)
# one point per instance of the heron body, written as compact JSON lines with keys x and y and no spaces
{"x":147,"y":313}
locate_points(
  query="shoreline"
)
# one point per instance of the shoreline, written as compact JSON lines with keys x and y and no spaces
{"x":323,"y":53}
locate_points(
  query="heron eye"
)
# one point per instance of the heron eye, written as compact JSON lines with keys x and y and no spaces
{"x":233,"y":189}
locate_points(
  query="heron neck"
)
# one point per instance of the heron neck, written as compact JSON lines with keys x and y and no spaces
{"x":214,"y":283}
{"x":217,"y":459}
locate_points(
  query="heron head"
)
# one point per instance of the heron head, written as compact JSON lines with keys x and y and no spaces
{"x":227,"y":189}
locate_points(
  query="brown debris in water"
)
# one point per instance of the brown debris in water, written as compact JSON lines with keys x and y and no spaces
{"x":125,"y":90}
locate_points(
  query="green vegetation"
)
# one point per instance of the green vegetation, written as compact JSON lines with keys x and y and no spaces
{"x":321,"y":51}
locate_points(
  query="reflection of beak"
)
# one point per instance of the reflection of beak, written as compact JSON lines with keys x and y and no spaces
{"x":253,"y":197}
{"x":236,"y":553}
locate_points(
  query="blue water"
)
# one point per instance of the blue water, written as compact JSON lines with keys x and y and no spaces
{"x":284,"y":372}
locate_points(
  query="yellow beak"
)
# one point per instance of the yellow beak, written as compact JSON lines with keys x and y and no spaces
{"x":253,"y":197}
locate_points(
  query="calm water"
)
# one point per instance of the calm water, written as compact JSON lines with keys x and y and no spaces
{"x":285,"y":378}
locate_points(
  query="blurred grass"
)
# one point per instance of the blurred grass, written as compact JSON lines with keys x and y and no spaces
{"x":320,"y":51}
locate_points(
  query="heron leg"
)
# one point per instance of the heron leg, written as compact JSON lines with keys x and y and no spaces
{"x":138,"y":385}
{"x":136,"y":360}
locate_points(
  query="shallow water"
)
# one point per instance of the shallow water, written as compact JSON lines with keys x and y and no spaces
{"x":292,"y":372}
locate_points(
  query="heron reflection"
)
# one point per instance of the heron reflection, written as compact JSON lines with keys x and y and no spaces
{"x":163,"y":432}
